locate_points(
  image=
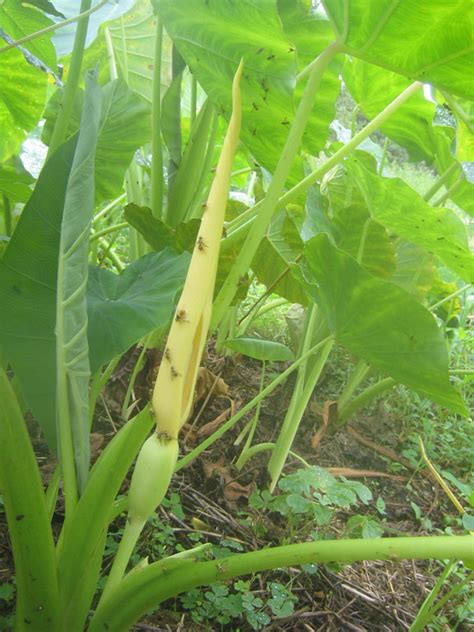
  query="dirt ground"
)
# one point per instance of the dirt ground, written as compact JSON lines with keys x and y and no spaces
{"x":369,"y":596}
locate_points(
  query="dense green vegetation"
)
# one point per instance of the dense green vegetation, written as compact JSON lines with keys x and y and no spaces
{"x":269,"y":201}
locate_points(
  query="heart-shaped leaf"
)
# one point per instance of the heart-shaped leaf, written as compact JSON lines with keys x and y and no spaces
{"x":428,"y":41}
{"x":125,"y":125}
{"x":378,"y":321}
{"x":124,"y":307}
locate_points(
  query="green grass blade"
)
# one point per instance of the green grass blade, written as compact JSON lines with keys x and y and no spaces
{"x":28,"y":523}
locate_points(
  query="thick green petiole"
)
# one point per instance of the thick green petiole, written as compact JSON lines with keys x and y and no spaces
{"x":148,"y":587}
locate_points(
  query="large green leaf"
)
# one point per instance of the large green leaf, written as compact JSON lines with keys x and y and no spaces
{"x":124,"y":307}
{"x":310,"y":33}
{"x":28,"y":280}
{"x":14,"y":183}
{"x":47,"y":7}
{"x":411,"y":126}
{"x":125,"y":125}
{"x":63,"y":38}
{"x":133,"y":37}
{"x":379,"y":322}
{"x":72,"y":350}
{"x":401,"y":210}
{"x":17,"y":20}
{"x":365,"y":239}
{"x":53,"y":228}
{"x":429,"y":41}
{"x":352,"y":227}
{"x":22,"y":99}
{"x":464,"y":111}
{"x":213,"y":37}
{"x":280,"y":246}
{"x":415,"y":270}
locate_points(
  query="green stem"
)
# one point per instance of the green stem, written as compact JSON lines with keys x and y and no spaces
{"x":252,"y":451}
{"x":358,"y":374}
{"x":253,"y":215}
{"x":249,"y":248}
{"x":63,"y":413}
{"x":145,"y":589}
{"x":108,"y":230}
{"x":156,"y":145}
{"x":53,"y":27}
{"x":111,"y":254}
{"x":98,"y":383}
{"x":450,"y":594}
{"x":38,"y":603}
{"x":174,"y":129}
{"x":452,"y":189}
{"x":223,"y":333}
{"x":301,"y":397}
{"x":263,"y":447}
{"x":253,"y":425}
{"x":440,"y":181}
{"x":230,"y":423}
{"x":132,"y":177}
{"x":370,"y":393}
{"x":109,"y":207}
{"x":65,"y":111}
{"x":131,"y":383}
{"x":251,"y":184}
{"x":458,"y":110}
{"x":253,"y":313}
{"x":127,"y":544}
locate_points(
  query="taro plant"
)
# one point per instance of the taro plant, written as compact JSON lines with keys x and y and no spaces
{"x":328,"y":230}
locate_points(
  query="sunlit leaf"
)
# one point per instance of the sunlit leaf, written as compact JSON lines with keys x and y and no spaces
{"x":310,"y":33}
{"x":17,"y":19}
{"x":401,"y":210}
{"x":428,"y":41}
{"x":201,"y":32}
{"x":22,"y":99}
